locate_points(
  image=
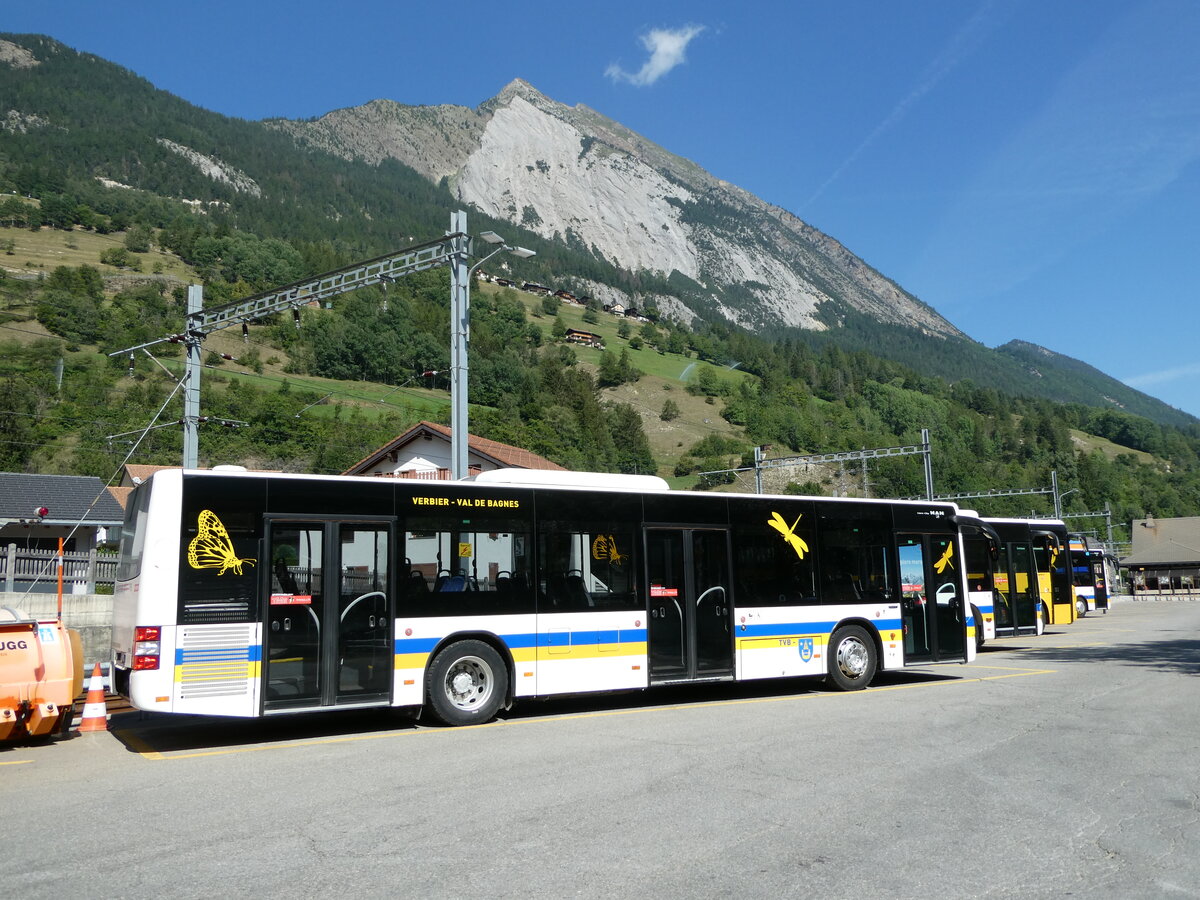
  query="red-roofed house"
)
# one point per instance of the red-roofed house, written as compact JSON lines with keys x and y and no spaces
{"x":423,"y":452}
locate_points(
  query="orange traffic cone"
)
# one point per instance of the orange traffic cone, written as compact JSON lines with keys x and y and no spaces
{"x":95,"y":712}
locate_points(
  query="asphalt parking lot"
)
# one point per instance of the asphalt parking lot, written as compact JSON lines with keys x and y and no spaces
{"x":1059,"y":765}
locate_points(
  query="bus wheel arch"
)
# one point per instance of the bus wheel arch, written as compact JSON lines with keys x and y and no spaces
{"x":468,"y":680}
{"x":853,"y":657}
{"x":978,"y":617}
{"x":1081,"y":606}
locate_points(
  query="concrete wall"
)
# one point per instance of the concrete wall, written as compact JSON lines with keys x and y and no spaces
{"x":89,"y":614}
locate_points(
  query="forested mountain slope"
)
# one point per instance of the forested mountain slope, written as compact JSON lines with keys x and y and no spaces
{"x":121,"y":194}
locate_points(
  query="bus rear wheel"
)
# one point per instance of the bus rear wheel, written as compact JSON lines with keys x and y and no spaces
{"x":466,"y":683}
{"x":852,"y":658}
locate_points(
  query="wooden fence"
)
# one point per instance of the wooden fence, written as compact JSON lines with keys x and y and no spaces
{"x":82,"y":572}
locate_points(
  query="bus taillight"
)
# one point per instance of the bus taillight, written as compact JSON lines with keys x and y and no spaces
{"x":146,"y":646}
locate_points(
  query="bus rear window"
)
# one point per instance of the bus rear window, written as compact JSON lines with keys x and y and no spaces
{"x":133,"y":533}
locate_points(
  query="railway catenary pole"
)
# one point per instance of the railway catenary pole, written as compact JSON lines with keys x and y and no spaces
{"x":454,"y":249}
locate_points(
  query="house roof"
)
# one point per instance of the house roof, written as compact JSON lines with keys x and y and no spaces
{"x":120,"y":494}
{"x":1165,"y":542}
{"x":70,"y":499}
{"x":135,"y":474}
{"x":494,"y":451}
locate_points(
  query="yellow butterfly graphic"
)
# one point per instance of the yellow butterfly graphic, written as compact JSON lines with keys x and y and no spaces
{"x":779,"y":523}
{"x":604,"y":547}
{"x":212,"y":548}
{"x":941,"y":564}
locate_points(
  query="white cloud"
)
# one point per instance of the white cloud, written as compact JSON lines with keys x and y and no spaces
{"x":667,"y":48}
{"x":1162,"y":376}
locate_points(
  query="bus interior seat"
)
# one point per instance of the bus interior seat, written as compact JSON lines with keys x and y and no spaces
{"x":417,"y":585}
{"x":556,"y":590}
{"x":577,"y":592}
{"x":451,"y":584}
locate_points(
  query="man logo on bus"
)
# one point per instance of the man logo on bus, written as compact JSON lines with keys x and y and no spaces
{"x":941,"y":564}
{"x":212,"y":547}
{"x":806,"y":649}
{"x":789,"y":532}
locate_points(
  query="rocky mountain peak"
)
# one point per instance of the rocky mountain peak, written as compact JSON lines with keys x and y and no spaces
{"x":572,"y":174}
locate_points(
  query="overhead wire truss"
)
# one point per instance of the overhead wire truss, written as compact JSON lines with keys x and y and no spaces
{"x":316,"y":290}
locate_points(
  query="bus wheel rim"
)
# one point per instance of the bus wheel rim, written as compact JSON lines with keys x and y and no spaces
{"x":852,"y":657}
{"x":469,"y":683}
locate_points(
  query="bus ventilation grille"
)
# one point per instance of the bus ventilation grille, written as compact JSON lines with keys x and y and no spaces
{"x":216,"y":613}
{"x":217,"y":662}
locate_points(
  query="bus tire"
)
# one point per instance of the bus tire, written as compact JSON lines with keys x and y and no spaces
{"x":1080,"y":607}
{"x":466,"y":683}
{"x":852,"y":658}
{"x":978,"y":628}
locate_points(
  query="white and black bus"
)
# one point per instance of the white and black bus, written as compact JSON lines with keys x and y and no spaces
{"x":247,"y":594}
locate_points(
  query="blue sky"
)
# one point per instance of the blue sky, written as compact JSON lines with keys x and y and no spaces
{"x":1027,"y":167}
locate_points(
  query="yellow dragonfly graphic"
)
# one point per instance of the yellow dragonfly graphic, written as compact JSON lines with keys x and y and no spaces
{"x":789,"y":532}
{"x":212,"y":547}
{"x":941,"y":564}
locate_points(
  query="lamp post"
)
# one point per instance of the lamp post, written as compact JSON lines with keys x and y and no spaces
{"x":460,"y":330}
{"x":1058,"y":499}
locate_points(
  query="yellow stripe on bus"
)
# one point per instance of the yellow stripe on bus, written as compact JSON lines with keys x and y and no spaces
{"x":194,"y":672}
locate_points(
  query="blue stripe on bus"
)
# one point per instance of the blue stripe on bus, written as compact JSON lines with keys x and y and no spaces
{"x":416,"y":645}
{"x":790,"y":628}
{"x":252,"y":653}
{"x":546,"y":639}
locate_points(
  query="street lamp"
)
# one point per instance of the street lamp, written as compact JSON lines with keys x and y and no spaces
{"x":460,"y":331}
{"x":1058,"y":499}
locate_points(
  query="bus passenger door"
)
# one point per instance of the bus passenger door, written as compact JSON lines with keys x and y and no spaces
{"x":690,"y":609}
{"x":1099,"y":583}
{"x":327,"y":632}
{"x":295,"y":615}
{"x":365,"y":656}
{"x":932,"y":606}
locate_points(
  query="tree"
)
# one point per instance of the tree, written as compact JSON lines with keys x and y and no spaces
{"x":58,"y":211}
{"x":137,"y":239}
{"x":115,"y":256}
{"x":670,"y":410}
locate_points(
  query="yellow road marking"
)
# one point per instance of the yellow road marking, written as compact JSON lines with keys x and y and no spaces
{"x":15,"y":762}
{"x":142,"y":748}
{"x":147,"y":752}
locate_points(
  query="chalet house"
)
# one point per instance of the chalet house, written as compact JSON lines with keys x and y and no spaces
{"x":423,"y":452}
{"x":1166,"y":556}
{"x":534,"y":288}
{"x":587,"y":338}
{"x":565,"y":296}
{"x":614,"y":308}
{"x":504,"y":282}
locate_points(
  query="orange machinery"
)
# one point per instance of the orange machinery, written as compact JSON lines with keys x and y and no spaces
{"x":41,"y":674}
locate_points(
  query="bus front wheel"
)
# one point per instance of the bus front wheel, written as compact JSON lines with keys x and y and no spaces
{"x":466,"y":683}
{"x":1080,"y":607}
{"x":852,"y":659}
